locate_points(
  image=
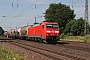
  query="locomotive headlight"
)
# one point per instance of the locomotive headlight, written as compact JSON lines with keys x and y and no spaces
{"x":56,"y":31}
{"x":48,"y":31}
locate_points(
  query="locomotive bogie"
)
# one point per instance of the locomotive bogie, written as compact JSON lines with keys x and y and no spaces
{"x":52,"y":39}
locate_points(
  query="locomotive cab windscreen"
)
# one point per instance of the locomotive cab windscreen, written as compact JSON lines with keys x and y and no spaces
{"x":52,"y":29}
{"x":52,"y":25}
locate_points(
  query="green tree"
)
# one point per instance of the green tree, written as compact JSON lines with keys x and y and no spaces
{"x":67,"y":30}
{"x":59,"y":13}
{"x":1,"y":31}
{"x":75,"y":27}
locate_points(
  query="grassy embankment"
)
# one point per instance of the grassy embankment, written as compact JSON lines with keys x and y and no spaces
{"x":76,"y":38}
{"x":2,"y":37}
{"x":9,"y":54}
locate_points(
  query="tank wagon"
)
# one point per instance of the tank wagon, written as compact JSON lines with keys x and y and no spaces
{"x":5,"y":34}
{"x":11,"y":33}
{"x":20,"y":33}
{"x":47,"y":32}
{"x":23,"y":32}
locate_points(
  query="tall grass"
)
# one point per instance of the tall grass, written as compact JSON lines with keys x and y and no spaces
{"x":9,"y":54}
{"x":75,"y":38}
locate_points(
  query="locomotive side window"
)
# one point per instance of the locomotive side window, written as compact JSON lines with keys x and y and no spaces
{"x":55,"y":26}
{"x":52,"y":26}
{"x":49,"y":25}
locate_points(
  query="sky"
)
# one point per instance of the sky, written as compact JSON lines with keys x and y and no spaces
{"x":19,"y":13}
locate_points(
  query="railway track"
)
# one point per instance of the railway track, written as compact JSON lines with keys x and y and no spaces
{"x":65,"y":45}
{"x":75,"y":47}
{"x":50,"y":54}
{"x":77,"y":44}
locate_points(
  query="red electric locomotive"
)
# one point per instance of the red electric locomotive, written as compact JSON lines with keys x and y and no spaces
{"x":47,"y":32}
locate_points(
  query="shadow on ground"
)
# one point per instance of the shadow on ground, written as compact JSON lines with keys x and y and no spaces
{"x":62,"y":43}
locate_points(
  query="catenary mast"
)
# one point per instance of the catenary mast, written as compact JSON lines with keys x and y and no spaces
{"x":86,"y":19}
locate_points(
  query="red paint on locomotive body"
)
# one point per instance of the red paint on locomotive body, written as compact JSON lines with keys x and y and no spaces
{"x":45,"y":30}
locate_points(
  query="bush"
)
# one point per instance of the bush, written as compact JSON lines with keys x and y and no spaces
{"x":62,"y":36}
{"x":70,"y":34}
